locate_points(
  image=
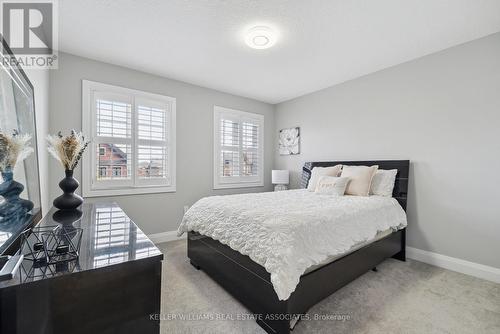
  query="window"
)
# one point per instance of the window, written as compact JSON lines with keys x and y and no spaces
{"x":103,"y":171}
{"x":117,"y":171}
{"x":238,"y":149}
{"x":132,"y":141}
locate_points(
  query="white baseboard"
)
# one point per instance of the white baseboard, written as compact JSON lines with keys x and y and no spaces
{"x":454,"y":264}
{"x":164,"y":237}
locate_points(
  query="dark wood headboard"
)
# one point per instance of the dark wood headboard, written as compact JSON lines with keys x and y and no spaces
{"x":400,"y":187}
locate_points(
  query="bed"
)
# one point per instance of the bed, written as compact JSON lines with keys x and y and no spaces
{"x":255,"y":281}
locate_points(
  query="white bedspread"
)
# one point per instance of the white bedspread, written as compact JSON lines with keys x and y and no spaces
{"x":288,"y":231}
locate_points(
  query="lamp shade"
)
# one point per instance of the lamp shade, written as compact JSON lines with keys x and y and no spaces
{"x":280,"y":176}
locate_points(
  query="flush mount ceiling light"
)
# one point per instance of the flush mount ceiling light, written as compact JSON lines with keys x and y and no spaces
{"x":260,"y":37}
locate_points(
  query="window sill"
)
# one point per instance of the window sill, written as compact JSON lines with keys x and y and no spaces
{"x":127,"y":191}
{"x":238,"y":185}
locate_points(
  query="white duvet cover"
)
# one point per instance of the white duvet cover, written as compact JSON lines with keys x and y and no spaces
{"x":288,"y":231}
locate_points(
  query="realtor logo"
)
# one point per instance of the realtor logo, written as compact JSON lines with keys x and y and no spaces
{"x":30,"y":30}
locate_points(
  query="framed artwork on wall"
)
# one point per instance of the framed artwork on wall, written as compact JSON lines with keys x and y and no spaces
{"x":289,"y":141}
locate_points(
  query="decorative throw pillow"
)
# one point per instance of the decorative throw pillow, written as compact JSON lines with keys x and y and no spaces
{"x":317,"y":172}
{"x":361,"y":179}
{"x":383,"y":182}
{"x":332,"y":185}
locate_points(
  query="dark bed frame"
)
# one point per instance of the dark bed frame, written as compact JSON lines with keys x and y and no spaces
{"x":251,"y":284}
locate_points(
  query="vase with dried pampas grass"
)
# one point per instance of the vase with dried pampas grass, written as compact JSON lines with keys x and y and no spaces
{"x":68,"y":150}
{"x":14,"y":148}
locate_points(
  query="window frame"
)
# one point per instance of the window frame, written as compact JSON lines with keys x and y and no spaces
{"x":93,"y":188}
{"x":240,"y":117}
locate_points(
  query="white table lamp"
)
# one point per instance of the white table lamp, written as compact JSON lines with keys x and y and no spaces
{"x":280,"y":178}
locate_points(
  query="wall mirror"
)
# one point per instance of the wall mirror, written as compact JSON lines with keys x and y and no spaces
{"x":20,"y":205}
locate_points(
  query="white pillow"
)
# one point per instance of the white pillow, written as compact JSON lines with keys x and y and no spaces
{"x":332,"y":185}
{"x":383,"y":182}
{"x":317,"y":172}
{"x":361,"y":179}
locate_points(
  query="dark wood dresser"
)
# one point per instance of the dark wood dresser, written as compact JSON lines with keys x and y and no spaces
{"x":113,"y":287}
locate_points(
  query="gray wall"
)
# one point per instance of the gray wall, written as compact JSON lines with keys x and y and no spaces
{"x":443,"y":113}
{"x":157,"y":212}
{"x":40,"y":81}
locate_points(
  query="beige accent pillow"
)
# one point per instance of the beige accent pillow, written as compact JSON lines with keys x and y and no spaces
{"x":317,"y":172}
{"x":361,"y":179}
{"x":383,"y":182}
{"x":332,"y":185}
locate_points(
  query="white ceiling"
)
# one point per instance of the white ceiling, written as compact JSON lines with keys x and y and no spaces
{"x":322,"y":42}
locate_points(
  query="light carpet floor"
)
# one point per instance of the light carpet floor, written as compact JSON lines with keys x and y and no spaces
{"x":402,"y":297}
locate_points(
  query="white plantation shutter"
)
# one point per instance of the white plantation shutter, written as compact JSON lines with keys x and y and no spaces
{"x":113,"y":136}
{"x":114,"y":116}
{"x":133,"y":141}
{"x":153,"y":119}
{"x":238,"y":151}
{"x":250,"y":148}
{"x":229,"y":156}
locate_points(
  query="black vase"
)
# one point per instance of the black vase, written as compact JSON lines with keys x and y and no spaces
{"x":67,"y":217}
{"x":69,"y":200}
{"x":10,"y":191}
